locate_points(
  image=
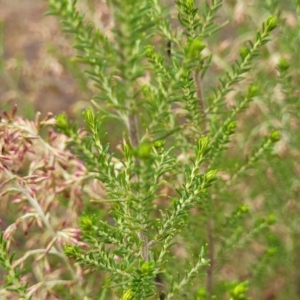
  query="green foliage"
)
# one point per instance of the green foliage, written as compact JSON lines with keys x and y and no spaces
{"x":190,"y":188}
{"x":139,"y":243}
{"x":14,"y":282}
{"x":237,"y":291}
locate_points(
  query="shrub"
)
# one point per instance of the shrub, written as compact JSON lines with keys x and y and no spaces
{"x":198,"y":197}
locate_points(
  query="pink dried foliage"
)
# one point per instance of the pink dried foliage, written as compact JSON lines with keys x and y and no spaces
{"x":35,"y":173}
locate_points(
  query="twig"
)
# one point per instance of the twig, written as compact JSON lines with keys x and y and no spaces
{"x":135,"y":144}
{"x":210,"y":269}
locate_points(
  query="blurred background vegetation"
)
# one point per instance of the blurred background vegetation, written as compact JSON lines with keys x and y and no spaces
{"x":38,"y":72}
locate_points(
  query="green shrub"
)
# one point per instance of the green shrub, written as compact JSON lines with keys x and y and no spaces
{"x":196,"y":198}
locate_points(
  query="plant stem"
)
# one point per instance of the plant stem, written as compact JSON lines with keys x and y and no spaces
{"x":210,"y":269}
{"x":134,"y":139}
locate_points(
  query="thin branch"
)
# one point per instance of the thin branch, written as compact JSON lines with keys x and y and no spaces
{"x":210,"y":269}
